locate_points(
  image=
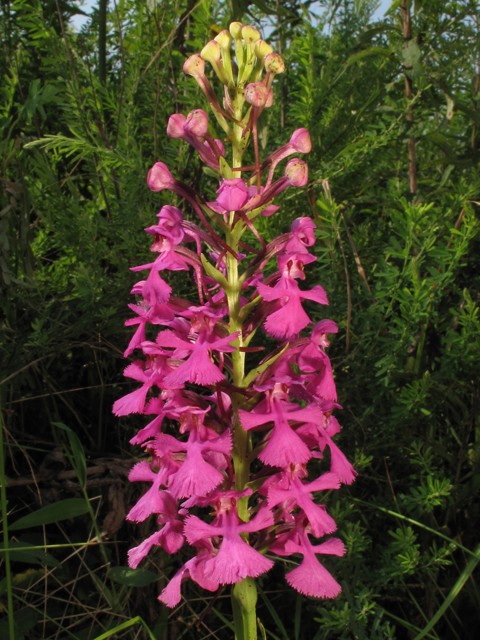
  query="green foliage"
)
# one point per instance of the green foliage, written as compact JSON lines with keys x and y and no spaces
{"x":401,"y":271}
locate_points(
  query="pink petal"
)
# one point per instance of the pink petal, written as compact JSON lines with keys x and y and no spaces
{"x":171,"y":536}
{"x":320,"y":521}
{"x":155,"y":290}
{"x":135,"y":370}
{"x":284,"y":447}
{"x":340,"y":466}
{"x":325,"y":482}
{"x":142,"y":472}
{"x":151,"y":502}
{"x":196,"y":529}
{"x":262,"y":520}
{"x":195,"y":476}
{"x":131,"y":403}
{"x":288,"y":321}
{"x":331,"y":547}
{"x":250,"y":420}
{"x":317,"y":294}
{"x":171,"y":595}
{"x":236,"y":560}
{"x":136,"y":555}
{"x":312,"y":579}
{"x":137,"y":338}
{"x":150,"y":431}
{"x":198,"y":369}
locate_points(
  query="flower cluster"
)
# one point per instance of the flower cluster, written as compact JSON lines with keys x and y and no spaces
{"x":233,"y":482}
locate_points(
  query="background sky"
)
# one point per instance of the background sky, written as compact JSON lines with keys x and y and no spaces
{"x":77,"y":21}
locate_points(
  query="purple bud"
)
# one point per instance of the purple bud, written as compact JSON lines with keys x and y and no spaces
{"x":219,"y":144}
{"x":232,"y":194}
{"x":256,"y":94}
{"x":297,"y":172}
{"x":300,"y":141}
{"x":159,"y":177}
{"x":176,"y":126}
{"x":197,"y":123}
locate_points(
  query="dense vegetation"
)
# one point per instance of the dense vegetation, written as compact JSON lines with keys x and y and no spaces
{"x":392,"y":110}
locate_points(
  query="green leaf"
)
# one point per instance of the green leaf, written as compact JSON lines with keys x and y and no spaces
{"x":214,"y":273}
{"x":79,"y":461}
{"x":52,"y":513}
{"x":371,"y":51}
{"x":262,"y":367}
{"x":133,"y":577}
{"x":394,"y":6}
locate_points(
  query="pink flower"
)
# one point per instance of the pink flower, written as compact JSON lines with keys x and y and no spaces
{"x":152,"y":374}
{"x":310,"y":578}
{"x":300,"y":493}
{"x":194,"y":569}
{"x":339,"y":465}
{"x":232,"y":194}
{"x":303,"y":236}
{"x":284,"y":446}
{"x":235,"y":560}
{"x":198,"y":368}
{"x":290,"y":319}
{"x":170,"y":537}
{"x":195,"y":476}
{"x":154,"y":500}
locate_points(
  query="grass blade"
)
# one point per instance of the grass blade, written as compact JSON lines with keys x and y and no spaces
{"x":457,"y":587}
{"x":126,"y":625}
{"x":11,"y":621}
{"x":273,"y":613}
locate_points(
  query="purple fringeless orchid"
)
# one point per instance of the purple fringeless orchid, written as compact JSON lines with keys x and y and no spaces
{"x":239,"y":447}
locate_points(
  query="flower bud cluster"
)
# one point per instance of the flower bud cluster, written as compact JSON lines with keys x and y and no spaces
{"x":236,"y":465}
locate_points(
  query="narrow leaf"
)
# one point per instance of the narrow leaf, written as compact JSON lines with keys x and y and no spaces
{"x":52,"y":513}
{"x":133,"y":577}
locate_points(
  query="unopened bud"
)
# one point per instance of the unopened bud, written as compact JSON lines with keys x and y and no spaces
{"x":297,"y":172}
{"x":211,"y":52}
{"x":194,"y":66}
{"x":236,"y":30}
{"x":250,"y":34}
{"x":274,"y":63}
{"x":224,"y":39}
{"x":300,"y":141}
{"x":197,"y":123}
{"x":256,"y":94}
{"x":159,"y":177}
{"x":269,"y":100}
{"x":176,"y":126}
{"x":262,"y":49}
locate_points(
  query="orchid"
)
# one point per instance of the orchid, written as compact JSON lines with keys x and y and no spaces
{"x":194,"y":374}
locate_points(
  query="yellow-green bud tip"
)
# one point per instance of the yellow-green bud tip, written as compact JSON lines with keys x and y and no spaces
{"x":211,"y":51}
{"x":224,"y":39}
{"x":250,"y":34}
{"x":262,"y":49}
{"x":236,"y":30}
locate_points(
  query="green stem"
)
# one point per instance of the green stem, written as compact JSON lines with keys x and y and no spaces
{"x":11,"y":620}
{"x":244,"y":594}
